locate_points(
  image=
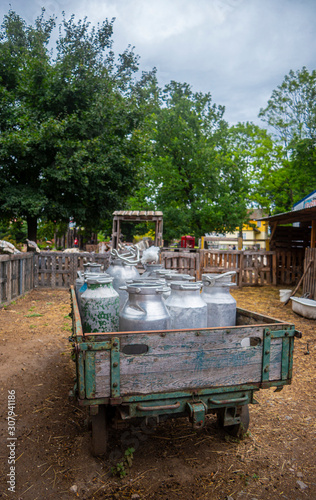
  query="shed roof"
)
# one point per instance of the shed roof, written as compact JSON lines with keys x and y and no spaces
{"x":304,"y":215}
{"x":138,"y":214}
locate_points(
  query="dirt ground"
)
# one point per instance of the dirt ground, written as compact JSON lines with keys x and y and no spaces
{"x":53,"y":458}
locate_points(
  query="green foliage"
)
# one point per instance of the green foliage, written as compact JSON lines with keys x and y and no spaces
{"x":190,"y":175}
{"x":120,"y":468}
{"x":69,"y":143}
{"x":291,"y":112}
{"x":14,"y":231}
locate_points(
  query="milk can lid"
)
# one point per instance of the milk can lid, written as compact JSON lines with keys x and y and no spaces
{"x":91,"y":264}
{"x":145,"y":288}
{"x":163,"y":272}
{"x":99,"y":280}
{"x":184,"y":285}
{"x":179,"y":277}
{"x":158,"y":281}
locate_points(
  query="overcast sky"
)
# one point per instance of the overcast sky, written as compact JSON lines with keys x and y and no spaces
{"x":238,"y":50}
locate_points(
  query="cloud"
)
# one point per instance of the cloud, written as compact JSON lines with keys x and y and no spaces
{"x":239,"y":50}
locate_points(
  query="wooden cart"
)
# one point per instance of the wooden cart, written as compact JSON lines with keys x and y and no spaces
{"x":193,"y":372}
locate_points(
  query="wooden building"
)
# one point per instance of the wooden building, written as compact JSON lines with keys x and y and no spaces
{"x":137,"y":217}
{"x":293,"y":239}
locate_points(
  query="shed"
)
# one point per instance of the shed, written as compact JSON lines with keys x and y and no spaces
{"x":293,"y":238}
{"x":137,"y":216}
{"x":301,"y":234}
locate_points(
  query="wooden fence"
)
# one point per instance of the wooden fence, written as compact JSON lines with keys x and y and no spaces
{"x":309,"y":281}
{"x":289,"y":265}
{"x":16,"y":276}
{"x":22,"y":272}
{"x":252,"y":268}
{"x":59,"y":269}
{"x":184,"y":262}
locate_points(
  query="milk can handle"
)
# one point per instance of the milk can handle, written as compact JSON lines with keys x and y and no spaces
{"x":229,"y":273}
{"x":124,"y":287}
{"x":163,"y":290}
{"x":186,"y":286}
{"x":213,"y":279}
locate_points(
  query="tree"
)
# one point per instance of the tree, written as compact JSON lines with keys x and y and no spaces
{"x":302,"y":168}
{"x":190,"y":174}
{"x":69,"y":127}
{"x":291,"y":110}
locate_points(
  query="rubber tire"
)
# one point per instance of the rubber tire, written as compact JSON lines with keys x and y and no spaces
{"x":237,"y":430}
{"x":99,"y":432}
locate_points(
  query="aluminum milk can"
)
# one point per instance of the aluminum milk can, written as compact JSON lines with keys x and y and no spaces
{"x":186,"y":307}
{"x":144,"y":309}
{"x":122,"y":271}
{"x":178,"y":277}
{"x":175,"y":276}
{"x":150,"y":270}
{"x":221,"y":306}
{"x":141,"y":279}
{"x":92,"y":267}
{"x":100,"y":306}
{"x":79,"y":283}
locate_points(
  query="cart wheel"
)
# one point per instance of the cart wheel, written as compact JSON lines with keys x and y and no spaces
{"x":237,"y":430}
{"x":99,"y":432}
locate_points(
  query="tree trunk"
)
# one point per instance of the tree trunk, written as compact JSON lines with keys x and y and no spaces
{"x":32,"y":228}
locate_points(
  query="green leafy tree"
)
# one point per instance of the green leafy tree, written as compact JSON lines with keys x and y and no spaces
{"x":190,"y":174}
{"x":291,"y":110}
{"x":69,"y":126}
{"x":291,"y":114}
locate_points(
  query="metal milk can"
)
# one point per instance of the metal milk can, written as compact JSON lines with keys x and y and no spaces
{"x":79,"y":283}
{"x":160,"y":273}
{"x":100,"y":306}
{"x":186,"y":307}
{"x":141,"y":279}
{"x":150,"y":270}
{"x":92,"y":267}
{"x":175,"y":276}
{"x":144,"y":309}
{"x":178,"y":277}
{"x":122,"y":271}
{"x":221,"y":306}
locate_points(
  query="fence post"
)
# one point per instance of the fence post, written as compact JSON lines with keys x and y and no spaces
{"x":241,"y":268}
{"x":35,"y":270}
{"x":9,"y":280}
{"x":274,"y":269}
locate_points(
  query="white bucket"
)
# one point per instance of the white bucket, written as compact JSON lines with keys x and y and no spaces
{"x":285,"y":295}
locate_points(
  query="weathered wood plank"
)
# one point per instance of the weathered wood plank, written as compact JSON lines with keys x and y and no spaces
{"x":182,"y":342}
{"x":147,"y":374}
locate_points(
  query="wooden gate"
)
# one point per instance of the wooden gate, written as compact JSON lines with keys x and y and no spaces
{"x":185,"y":262}
{"x":252,"y":268}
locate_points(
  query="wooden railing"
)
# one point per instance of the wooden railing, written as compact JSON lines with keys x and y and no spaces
{"x":59,"y":269}
{"x":16,"y":276}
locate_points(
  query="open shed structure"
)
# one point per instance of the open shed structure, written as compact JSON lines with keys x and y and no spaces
{"x":137,"y":217}
{"x":293,"y":238}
